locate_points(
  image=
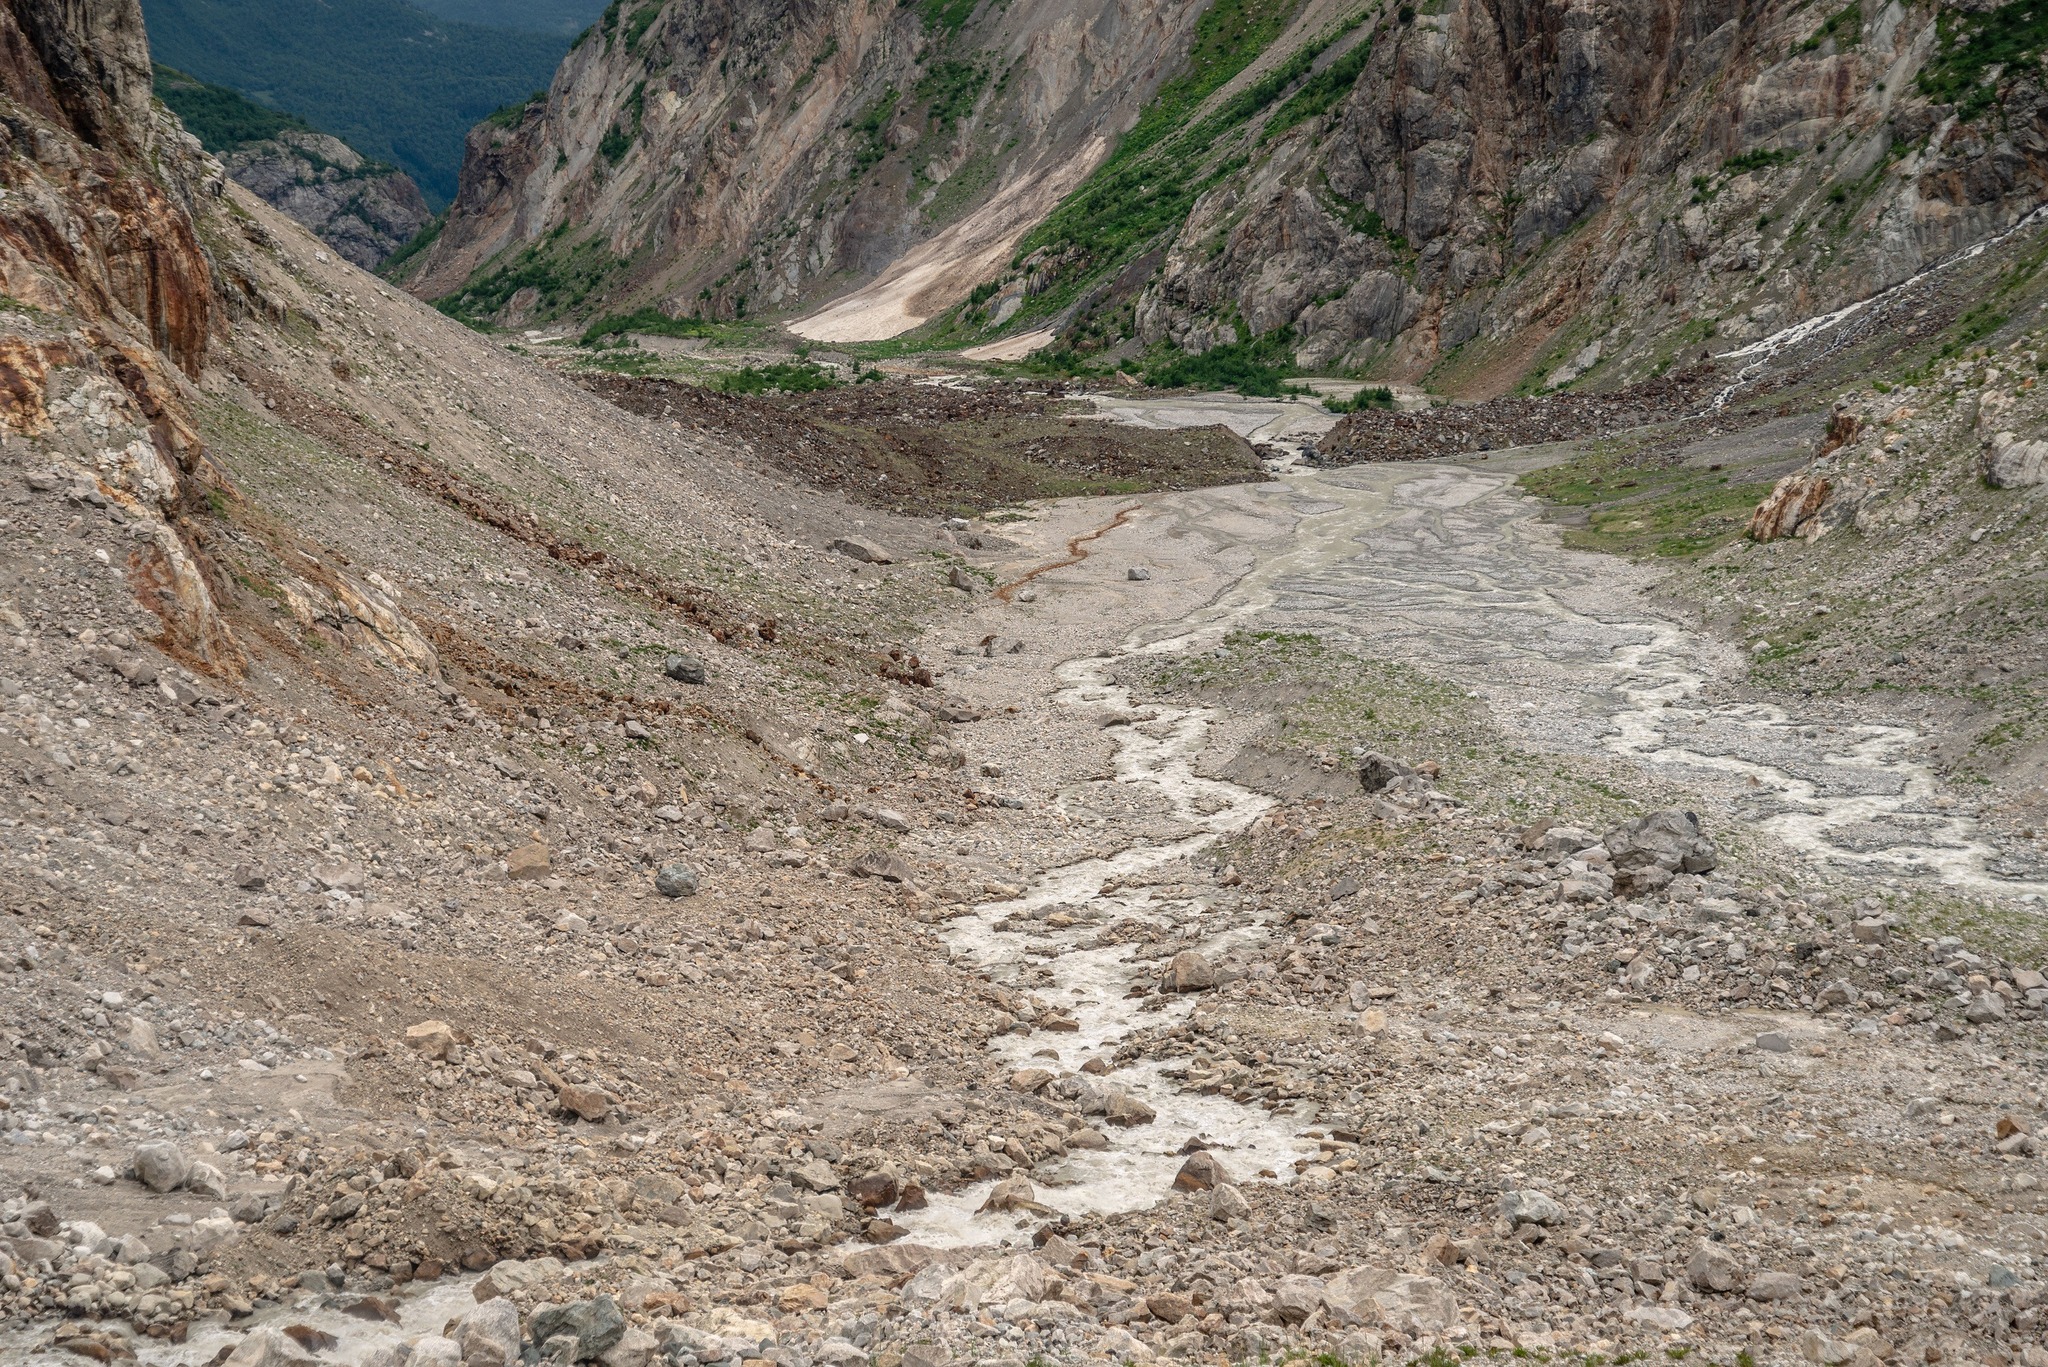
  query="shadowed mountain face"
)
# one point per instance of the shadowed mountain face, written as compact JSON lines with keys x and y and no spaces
{"x":398,"y":84}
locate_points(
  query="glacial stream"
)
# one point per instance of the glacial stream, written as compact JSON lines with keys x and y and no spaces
{"x":1452,"y":570}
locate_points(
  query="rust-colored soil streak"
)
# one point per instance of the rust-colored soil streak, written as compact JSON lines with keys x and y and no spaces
{"x":1077,"y":551}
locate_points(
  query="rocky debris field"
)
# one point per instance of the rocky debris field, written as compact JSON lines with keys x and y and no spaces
{"x":937,"y":448}
{"x":1497,"y":424}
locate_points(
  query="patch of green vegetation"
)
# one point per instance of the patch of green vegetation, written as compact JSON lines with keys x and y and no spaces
{"x":1373,"y":396}
{"x":786,"y":377}
{"x":1320,"y":93}
{"x":222,"y":119}
{"x":563,"y":277}
{"x":1969,"y":47}
{"x":1672,"y":512}
{"x":945,"y":17}
{"x":871,"y":130}
{"x":419,"y":242}
{"x":1758,"y":159}
{"x":948,"y":91}
{"x":1844,"y":27}
{"x":650,"y":321}
{"x":1973,"y":327}
{"x":1162,"y":164}
{"x":509,"y":116}
{"x":639,"y":22}
{"x":1253,"y":366}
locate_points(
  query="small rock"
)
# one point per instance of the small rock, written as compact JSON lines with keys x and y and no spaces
{"x":867,"y":552}
{"x":1226,"y":1203}
{"x":1713,"y":1268}
{"x":1012,"y":1193}
{"x":489,"y":1334}
{"x":676,"y":880}
{"x":883,"y":864}
{"x":1201,"y":1172}
{"x":1774,"y":1286}
{"x":685,"y":669}
{"x":433,"y":1039}
{"x":207,"y":1180}
{"x":1376,"y":771}
{"x":594,"y":1325}
{"x":1774,"y":1042}
{"x":161,"y":1166}
{"x":1137,"y":574}
{"x":890,"y":820}
{"x":588,"y":1103}
{"x":1986,"y":1008}
{"x":249,"y":880}
{"x":524,"y":863}
{"x":1188,"y":971}
{"x":1530,"y":1207}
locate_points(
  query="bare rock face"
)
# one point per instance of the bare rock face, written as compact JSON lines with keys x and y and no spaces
{"x":362,"y":209}
{"x":99,"y":229}
{"x":760,"y":153}
{"x":1509,"y":161}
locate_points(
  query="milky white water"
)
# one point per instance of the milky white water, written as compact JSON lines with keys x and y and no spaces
{"x":426,"y":1310}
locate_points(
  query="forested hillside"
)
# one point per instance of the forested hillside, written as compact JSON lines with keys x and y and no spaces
{"x":393,"y":81}
{"x":568,"y":17}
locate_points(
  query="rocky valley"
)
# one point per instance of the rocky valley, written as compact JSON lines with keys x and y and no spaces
{"x":1357,"y":686}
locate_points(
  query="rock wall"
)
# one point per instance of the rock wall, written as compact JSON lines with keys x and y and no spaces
{"x":117,"y":302}
{"x":363,"y":210}
{"x":760,"y":154}
{"x":1563,"y":188}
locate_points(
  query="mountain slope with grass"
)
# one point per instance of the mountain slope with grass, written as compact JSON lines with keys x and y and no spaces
{"x":1494,"y":195}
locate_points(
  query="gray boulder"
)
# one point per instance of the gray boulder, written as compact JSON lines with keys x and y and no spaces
{"x":1648,"y":853}
{"x":593,"y":1326}
{"x":161,"y":1166}
{"x":685,"y":669}
{"x":489,"y":1335}
{"x":676,"y":880}
{"x":1377,"y":771}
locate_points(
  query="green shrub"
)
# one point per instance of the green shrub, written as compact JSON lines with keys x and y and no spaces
{"x":1758,"y":159}
{"x":1254,"y":367}
{"x":1845,"y":26}
{"x":650,"y":322}
{"x":2009,"y":38}
{"x":1374,"y":396}
{"x":800,"y":377}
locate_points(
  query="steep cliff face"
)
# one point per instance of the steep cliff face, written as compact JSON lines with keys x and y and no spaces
{"x":365,"y":211}
{"x":1537,"y":191}
{"x":757,"y":155}
{"x":108,"y":295}
{"x":1500,"y":193}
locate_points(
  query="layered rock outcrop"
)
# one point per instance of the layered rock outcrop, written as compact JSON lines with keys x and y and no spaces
{"x":114,"y":301}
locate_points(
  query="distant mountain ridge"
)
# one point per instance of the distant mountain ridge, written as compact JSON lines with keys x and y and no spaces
{"x":395,"y":82}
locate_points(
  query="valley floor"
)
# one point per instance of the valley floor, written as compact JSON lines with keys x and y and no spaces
{"x":1150,"y":1032}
